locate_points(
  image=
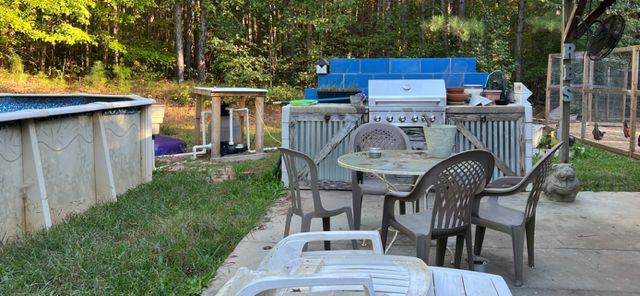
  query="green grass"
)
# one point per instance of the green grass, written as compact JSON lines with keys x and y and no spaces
{"x":600,"y":170}
{"x":165,"y":237}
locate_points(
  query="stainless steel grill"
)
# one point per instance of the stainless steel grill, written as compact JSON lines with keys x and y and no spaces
{"x":409,"y":104}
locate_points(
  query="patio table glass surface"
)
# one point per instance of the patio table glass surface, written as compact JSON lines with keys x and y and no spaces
{"x":391,"y":162}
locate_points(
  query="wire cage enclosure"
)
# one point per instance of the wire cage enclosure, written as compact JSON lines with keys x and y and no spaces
{"x":604,"y":111}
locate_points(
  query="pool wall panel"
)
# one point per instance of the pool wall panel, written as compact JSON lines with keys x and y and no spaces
{"x":11,"y":180}
{"x":66,"y":151}
{"x":61,"y":162}
{"x":122,"y":132}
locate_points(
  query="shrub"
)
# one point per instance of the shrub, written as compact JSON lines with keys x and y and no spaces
{"x":16,"y":66}
{"x":284,"y":93}
{"x":122,"y":73}
{"x":97,"y":76}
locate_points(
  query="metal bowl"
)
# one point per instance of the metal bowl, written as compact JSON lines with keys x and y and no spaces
{"x":374,"y":152}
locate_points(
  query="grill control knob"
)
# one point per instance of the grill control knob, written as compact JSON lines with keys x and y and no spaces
{"x":402,"y":118}
{"x":389,"y":118}
{"x":377,"y":118}
{"x":414,"y":118}
{"x":424,"y":118}
{"x":433,"y":118}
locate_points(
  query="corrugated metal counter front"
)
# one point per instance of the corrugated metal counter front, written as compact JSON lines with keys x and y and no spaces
{"x":309,"y":129}
{"x":315,"y":130}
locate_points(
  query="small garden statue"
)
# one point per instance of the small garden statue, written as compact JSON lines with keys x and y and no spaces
{"x":562,"y":185}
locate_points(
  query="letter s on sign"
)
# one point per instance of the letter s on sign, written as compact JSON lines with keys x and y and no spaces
{"x":567,"y":94}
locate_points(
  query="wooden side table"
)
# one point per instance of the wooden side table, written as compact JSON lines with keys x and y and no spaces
{"x":216,"y":94}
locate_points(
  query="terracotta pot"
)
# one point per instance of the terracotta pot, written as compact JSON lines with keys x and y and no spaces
{"x":493,"y":94}
{"x":456,"y":99}
{"x":455,"y":90}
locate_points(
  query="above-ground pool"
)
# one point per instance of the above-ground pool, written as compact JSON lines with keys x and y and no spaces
{"x":62,"y":154}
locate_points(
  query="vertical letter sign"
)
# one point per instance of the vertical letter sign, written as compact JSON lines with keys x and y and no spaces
{"x":568,"y":51}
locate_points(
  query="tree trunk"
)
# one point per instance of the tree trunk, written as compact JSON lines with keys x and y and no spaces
{"x":202,"y":39}
{"x":462,"y":9}
{"x":188,"y":42}
{"x":519,"y":38}
{"x":423,"y":10}
{"x":116,"y":30}
{"x":179,"y":50}
{"x":444,"y":6}
{"x":293,"y":29}
{"x":404,"y":16}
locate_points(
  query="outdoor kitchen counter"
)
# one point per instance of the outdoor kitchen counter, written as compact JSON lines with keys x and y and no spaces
{"x":512,"y":108}
{"x":501,"y":129}
{"x":326,"y":108}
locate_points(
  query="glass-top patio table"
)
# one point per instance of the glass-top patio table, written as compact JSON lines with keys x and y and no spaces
{"x":391,"y":162}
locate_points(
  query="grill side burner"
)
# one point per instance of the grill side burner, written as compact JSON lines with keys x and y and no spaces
{"x":409,"y":104}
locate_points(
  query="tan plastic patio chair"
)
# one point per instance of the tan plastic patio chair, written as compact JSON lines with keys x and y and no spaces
{"x":516,"y":223}
{"x":386,"y":137}
{"x":291,"y":158}
{"x":454,"y":182}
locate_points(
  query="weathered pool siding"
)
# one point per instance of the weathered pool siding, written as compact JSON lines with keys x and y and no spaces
{"x":123,"y":141}
{"x":66,"y":152}
{"x":11,"y":209}
{"x":68,"y":159}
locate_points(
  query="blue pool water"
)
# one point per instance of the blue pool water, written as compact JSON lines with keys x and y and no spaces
{"x":12,"y":104}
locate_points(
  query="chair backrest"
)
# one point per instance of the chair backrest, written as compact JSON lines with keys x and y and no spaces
{"x":536,"y":178}
{"x":382,"y":135}
{"x":292,"y":159}
{"x":455,"y":181}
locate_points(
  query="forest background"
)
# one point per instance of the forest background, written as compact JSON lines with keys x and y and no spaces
{"x":144,"y":46}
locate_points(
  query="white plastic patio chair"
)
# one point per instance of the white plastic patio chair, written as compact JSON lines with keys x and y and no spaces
{"x":250,"y":283}
{"x":348,"y":269}
{"x":354,"y":272}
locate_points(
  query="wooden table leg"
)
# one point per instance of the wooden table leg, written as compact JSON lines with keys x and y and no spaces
{"x":215,"y":126}
{"x":259,"y":124}
{"x":197,"y":127}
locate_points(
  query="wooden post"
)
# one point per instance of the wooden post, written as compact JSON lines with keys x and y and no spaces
{"x":259,"y":124}
{"x":634,"y":99}
{"x":586,"y":84}
{"x":215,"y":126}
{"x":625,"y":85}
{"x":590,"y":102}
{"x":197,"y":127}
{"x":566,"y":95}
{"x":547,"y":102}
{"x":606,"y":104}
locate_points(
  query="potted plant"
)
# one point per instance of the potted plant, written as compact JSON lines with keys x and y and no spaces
{"x":337,"y":92}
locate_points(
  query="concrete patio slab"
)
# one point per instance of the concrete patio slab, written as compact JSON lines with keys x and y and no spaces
{"x":589,"y":247}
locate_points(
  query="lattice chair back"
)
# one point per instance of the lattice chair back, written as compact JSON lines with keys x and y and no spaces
{"x":296,"y":172}
{"x":378,"y":134}
{"x":381,"y":135}
{"x":455,"y":182}
{"x":536,"y":178}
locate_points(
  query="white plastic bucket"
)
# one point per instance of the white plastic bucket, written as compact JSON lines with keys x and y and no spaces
{"x":440,"y":140}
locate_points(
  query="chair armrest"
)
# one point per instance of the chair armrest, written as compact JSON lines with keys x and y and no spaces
{"x":291,"y":247}
{"x":398,"y":194}
{"x":505,"y":182}
{"x":331,"y":281}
